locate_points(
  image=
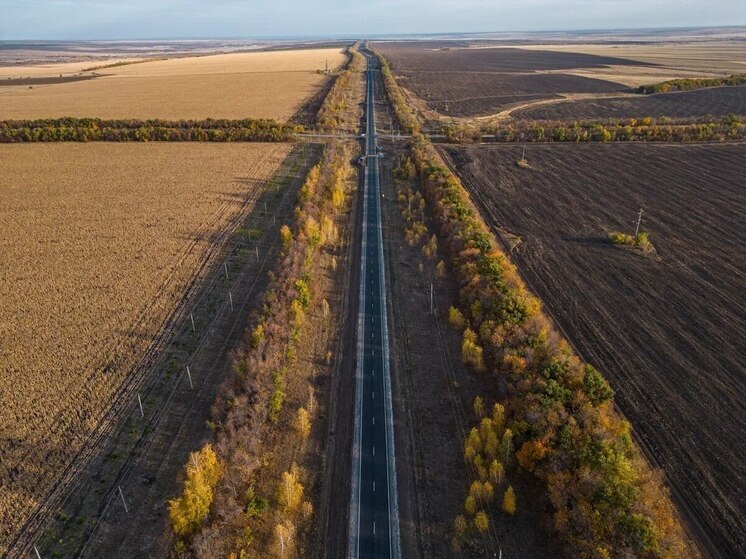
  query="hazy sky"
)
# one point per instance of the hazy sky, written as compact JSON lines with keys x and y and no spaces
{"x":134,"y":19}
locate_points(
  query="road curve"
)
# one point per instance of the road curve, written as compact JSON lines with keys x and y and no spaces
{"x":374,"y":515}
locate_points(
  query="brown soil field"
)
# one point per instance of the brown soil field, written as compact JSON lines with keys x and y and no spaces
{"x":665,"y":329}
{"x":460,"y":79}
{"x":272,"y":84}
{"x":465,"y":82}
{"x":713,"y":101}
{"x":98,"y":251}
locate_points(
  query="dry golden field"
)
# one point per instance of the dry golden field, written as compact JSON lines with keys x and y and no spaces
{"x":98,"y":242}
{"x":269,"y":84}
{"x":671,"y":60}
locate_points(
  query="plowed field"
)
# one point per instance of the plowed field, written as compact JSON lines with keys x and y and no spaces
{"x":667,"y":331}
{"x":714,"y":101}
{"x":470,"y":82}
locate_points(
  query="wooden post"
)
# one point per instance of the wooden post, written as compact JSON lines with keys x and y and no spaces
{"x":230,"y":297}
{"x":37,"y":553}
{"x":139,"y":401}
{"x":189,"y":376}
{"x":225,"y":267}
{"x":191,"y":315}
{"x":257,"y":253}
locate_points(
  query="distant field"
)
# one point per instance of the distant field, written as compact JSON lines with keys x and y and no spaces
{"x":714,"y":101}
{"x":98,"y":243}
{"x":259,"y":85}
{"x":665,"y":330}
{"x":661,"y":60}
{"x":470,"y":82}
{"x":473,"y":79}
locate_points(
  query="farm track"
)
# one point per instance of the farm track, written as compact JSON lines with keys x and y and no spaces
{"x":81,"y":473}
{"x":654,"y":344}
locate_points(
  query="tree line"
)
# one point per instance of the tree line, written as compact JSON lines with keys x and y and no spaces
{"x":70,"y":129}
{"x":230,"y":518}
{"x":336,"y":112}
{"x":606,"y":499}
{"x":645,"y":129}
{"x":684,"y":84}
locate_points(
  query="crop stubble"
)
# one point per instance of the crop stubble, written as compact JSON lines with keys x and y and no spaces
{"x":664,"y":330}
{"x":98,"y":242}
{"x":270,"y":84}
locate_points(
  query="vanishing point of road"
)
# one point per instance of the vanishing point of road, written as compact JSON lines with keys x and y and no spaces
{"x":374,"y":516}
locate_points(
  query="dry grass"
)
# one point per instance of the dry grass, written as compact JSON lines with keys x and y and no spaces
{"x":240,"y":85}
{"x":97,"y":244}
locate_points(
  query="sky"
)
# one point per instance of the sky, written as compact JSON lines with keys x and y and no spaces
{"x":183,"y":19}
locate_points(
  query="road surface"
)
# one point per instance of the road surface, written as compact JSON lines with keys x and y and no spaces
{"x":374,"y":517}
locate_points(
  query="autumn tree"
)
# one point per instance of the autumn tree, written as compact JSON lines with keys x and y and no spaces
{"x":303,"y":423}
{"x":509,"y":500}
{"x":481,"y":521}
{"x":286,"y":237}
{"x":456,"y":318}
{"x":479,"y":406}
{"x":290,"y":491}
{"x":471,"y":351}
{"x":284,"y":538}
{"x":202,"y":475}
{"x":470,"y":505}
{"x":496,"y":472}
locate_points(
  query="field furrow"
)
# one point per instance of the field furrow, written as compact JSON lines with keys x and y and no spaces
{"x":663,"y":328}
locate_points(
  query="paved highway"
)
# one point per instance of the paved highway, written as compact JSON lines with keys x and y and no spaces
{"x":374,"y":517}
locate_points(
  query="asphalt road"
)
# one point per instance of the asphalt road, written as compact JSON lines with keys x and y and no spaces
{"x":374,"y":518}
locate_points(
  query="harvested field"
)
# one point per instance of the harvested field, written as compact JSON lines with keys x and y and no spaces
{"x":664,"y":329}
{"x":270,"y":84}
{"x":99,"y":244}
{"x":715,"y":101}
{"x":469,"y":82}
{"x":664,"y":59}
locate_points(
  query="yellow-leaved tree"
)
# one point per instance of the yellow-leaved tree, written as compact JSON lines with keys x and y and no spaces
{"x":202,"y":475}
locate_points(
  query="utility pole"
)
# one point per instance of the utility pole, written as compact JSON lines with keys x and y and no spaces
{"x":523,"y":157}
{"x":123,"y":501}
{"x":639,"y":219}
{"x":432,"y":309}
{"x":189,"y":376}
